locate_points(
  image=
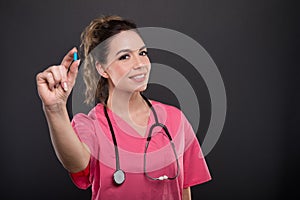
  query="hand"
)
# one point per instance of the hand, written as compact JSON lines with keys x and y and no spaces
{"x":56,"y":82}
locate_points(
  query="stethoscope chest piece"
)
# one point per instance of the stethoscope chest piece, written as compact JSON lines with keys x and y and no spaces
{"x":119,"y":177}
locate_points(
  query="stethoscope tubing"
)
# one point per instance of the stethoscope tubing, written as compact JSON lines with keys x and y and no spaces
{"x":119,"y":175}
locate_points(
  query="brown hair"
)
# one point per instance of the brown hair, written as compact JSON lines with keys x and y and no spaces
{"x":100,"y":30}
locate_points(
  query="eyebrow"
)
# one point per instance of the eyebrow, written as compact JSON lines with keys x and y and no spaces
{"x":128,"y":50}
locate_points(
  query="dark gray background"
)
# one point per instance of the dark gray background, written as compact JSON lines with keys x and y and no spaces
{"x":254,"y":43}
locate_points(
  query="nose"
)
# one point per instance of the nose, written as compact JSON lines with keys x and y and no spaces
{"x":139,"y":61}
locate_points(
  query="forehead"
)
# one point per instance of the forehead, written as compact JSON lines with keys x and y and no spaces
{"x":125,"y":40}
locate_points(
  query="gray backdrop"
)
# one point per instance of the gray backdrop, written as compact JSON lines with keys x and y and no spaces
{"x":253,"y":43}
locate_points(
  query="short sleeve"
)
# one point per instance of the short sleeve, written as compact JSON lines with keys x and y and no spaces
{"x":195,"y":167}
{"x":81,"y":179}
{"x":84,"y":127}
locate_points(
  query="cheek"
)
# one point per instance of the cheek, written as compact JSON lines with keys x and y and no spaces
{"x":117,"y":72}
{"x":148,"y":63}
{"x":146,"y":60}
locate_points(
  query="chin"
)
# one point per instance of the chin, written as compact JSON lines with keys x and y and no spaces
{"x":141,"y":88}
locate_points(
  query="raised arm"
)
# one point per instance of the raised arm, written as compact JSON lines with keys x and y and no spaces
{"x":54,"y":87}
{"x":186,"y":195}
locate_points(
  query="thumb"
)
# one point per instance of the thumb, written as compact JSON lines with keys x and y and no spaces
{"x":73,"y":71}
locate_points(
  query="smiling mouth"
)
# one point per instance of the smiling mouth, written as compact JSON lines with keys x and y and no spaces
{"x":138,"y":78}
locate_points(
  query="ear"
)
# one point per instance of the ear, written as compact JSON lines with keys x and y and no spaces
{"x":101,"y":70}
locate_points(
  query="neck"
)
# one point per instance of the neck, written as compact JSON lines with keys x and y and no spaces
{"x":125,"y":103}
{"x":131,"y":107}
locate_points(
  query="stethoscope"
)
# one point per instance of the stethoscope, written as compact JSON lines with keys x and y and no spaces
{"x":119,"y":175}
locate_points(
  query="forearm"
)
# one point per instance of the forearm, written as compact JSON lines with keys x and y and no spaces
{"x":68,"y":148}
{"x":186,"y":194}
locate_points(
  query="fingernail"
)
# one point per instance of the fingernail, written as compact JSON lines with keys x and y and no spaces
{"x":65,"y":86}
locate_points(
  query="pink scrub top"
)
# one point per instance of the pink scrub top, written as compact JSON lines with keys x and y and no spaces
{"x":93,"y":130}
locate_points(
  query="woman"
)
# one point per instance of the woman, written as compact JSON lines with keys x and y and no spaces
{"x":127,"y":147}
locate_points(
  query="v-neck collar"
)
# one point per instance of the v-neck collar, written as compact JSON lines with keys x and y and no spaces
{"x":120,"y":125}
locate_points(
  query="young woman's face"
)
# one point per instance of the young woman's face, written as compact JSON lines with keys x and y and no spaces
{"x":128,"y":65}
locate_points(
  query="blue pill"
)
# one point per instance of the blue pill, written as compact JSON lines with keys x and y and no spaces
{"x":75,"y":56}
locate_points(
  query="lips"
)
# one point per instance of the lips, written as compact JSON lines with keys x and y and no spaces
{"x":138,"y":77}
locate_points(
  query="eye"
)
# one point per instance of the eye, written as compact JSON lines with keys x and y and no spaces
{"x":143,"y":53}
{"x":124,"y":57}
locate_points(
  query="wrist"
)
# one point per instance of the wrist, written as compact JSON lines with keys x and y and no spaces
{"x":55,"y":108}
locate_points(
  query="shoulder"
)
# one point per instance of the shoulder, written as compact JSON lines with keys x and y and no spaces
{"x":88,"y":118}
{"x":172,"y":116}
{"x":169,"y":113}
{"x":177,"y":123}
{"x":168,"y":108}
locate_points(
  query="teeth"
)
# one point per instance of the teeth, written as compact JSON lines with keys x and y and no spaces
{"x":139,"y":76}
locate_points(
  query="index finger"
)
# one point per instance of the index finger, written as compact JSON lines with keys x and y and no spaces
{"x":67,"y":60}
